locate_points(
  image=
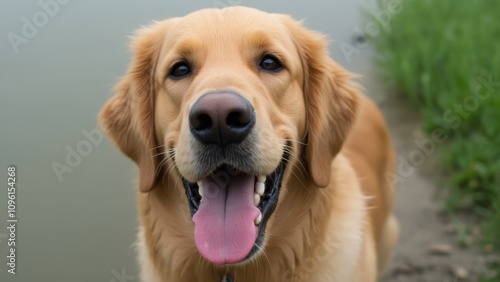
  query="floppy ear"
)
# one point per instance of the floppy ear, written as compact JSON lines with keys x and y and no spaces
{"x":128,"y":117}
{"x":331,"y":101}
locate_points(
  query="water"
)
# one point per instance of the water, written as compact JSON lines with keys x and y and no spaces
{"x":81,"y":226}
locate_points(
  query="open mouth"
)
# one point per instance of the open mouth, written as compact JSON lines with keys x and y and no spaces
{"x":230,"y":209}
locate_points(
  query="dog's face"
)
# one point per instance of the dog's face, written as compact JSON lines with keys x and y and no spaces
{"x":230,"y":102}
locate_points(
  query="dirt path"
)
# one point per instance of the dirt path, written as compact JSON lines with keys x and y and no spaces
{"x":418,"y":208}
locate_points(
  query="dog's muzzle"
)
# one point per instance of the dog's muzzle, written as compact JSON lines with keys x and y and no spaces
{"x":231,"y":201}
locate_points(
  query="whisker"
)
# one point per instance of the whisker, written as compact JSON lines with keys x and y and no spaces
{"x":157,"y":147}
{"x":159,"y":154}
{"x":288,"y":140}
{"x":264,"y":252}
{"x":160,"y":166}
{"x":169,"y":154}
{"x":297,"y":157}
{"x":169,"y":170}
{"x":298,"y":179}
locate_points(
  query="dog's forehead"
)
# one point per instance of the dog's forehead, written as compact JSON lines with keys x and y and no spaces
{"x":229,"y":25}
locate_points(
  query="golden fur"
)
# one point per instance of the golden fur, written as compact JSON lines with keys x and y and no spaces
{"x":334,"y":217}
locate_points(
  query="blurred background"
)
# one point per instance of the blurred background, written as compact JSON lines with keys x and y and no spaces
{"x":75,"y":200}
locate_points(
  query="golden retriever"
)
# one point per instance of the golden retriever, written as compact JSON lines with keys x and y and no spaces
{"x":259,"y":159}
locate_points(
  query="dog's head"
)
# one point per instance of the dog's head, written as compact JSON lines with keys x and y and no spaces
{"x":231,"y":102}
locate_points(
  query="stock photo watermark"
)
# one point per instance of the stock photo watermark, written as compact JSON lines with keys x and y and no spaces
{"x":381,"y":21}
{"x":311,"y":263}
{"x":121,"y":276}
{"x":454,"y":119}
{"x":76,"y":154}
{"x":31,"y":25}
{"x":221,"y":178}
{"x":11,"y":219}
{"x":226,"y":3}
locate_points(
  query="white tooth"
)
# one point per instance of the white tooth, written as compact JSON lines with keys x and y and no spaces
{"x":256,"y":199}
{"x":261,"y":179}
{"x":260,"y":188}
{"x":258,"y":219}
{"x":200,"y":188}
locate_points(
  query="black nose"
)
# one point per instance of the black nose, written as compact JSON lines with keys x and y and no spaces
{"x":221,"y":118}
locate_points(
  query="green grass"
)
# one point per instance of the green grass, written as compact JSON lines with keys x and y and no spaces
{"x":437,"y":53}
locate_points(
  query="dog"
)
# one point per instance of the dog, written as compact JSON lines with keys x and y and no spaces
{"x":259,"y":158}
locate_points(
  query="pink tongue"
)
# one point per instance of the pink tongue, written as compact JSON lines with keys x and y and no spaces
{"x":224,"y":230}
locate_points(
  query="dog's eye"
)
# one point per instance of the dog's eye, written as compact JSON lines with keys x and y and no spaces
{"x":270,"y":63}
{"x":180,"y":70}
